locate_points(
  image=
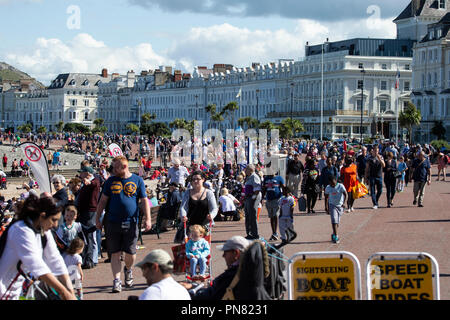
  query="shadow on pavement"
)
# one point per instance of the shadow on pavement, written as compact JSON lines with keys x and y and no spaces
{"x":419,"y":221}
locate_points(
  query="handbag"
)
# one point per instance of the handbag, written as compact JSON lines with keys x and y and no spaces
{"x":359,"y":191}
{"x":396,"y":174}
{"x":302,"y":204}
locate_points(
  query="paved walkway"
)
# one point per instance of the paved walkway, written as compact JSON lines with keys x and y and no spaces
{"x":364,"y":232}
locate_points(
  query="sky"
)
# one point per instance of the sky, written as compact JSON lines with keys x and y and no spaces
{"x":47,"y":37}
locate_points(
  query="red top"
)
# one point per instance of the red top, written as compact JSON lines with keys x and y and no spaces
{"x":349,"y":176}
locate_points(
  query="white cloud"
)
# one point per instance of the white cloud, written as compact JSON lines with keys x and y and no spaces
{"x":222,"y":43}
{"x":50,"y":57}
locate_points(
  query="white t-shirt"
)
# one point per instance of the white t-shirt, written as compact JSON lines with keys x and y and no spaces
{"x":227,"y":203}
{"x":72,"y":261}
{"x":25,"y":245}
{"x":166,"y":289}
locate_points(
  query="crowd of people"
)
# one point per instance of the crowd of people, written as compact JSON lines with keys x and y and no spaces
{"x":54,"y":238}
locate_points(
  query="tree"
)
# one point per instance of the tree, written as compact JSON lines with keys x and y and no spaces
{"x":77,"y":128}
{"x":183,"y":124}
{"x":132,"y":128}
{"x":59,"y":126}
{"x":268,"y":125}
{"x":99,"y":122}
{"x":248,"y":122}
{"x":42,"y":129}
{"x":439,"y":130}
{"x":99,"y":127}
{"x":409,"y":117}
{"x":229,"y":111}
{"x":290,"y":127}
{"x":147,"y":117}
{"x":211,"y":109}
{"x":25,"y":128}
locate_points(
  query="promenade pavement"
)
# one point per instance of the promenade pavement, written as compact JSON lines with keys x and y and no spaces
{"x":402,"y":228}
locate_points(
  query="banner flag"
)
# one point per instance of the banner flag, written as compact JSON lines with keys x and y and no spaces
{"x":38,"y":164}
{"x":114,"y":150}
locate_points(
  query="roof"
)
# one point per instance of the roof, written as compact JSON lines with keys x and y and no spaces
{"x":427,"y":8}
{"x":78,"y":81}
{"x":443,"y":25}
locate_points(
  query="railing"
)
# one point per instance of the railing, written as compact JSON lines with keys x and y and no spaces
{"x":326,"y":113}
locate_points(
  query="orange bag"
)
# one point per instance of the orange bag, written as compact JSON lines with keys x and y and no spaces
{"x":359,"y":191}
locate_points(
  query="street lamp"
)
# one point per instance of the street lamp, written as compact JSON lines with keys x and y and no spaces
{"x":257,"y":105}
{"x":362,"y":105}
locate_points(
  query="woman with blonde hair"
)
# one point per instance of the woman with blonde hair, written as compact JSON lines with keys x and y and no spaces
{"x":228,"y":204}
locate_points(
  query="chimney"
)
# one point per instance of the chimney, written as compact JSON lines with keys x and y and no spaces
{"x":415,"y":5}
{"x":104,"y":73}
{"x":178,"y":76}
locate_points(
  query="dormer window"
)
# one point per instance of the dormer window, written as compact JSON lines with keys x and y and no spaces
{"x":97,"y":83}
{"x":441,"y":4}
{"x":72,"y":82}
{"x":85,"y":83}
{"x":431,"y":35}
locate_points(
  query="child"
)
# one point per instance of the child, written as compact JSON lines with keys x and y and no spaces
{"x":73,"y":260}
{"x":401,"y":168}
{"x":335,"y":196}
{"x":228,"y":204}
{"x":197,"y":249}
{"x":286,"y":219}
{"x":69,"y":229}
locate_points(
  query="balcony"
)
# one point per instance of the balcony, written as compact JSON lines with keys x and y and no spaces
{"x":326,"y":113}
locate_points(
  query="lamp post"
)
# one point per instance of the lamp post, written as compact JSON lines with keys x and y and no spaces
{"x":362,"y":105}
{"x":257,"y":105}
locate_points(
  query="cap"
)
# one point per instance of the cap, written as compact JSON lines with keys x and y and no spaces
{"x":87,"y":169}
{"x":235,"y":243}
{"x":158,"y":256}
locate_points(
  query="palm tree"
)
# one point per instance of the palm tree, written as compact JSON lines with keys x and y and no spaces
{"x":230,"y":111}
{"x":251,"y":123}
{"x":268,"y":125}
{"x":409,"y":117}
{"x":439,"y":130}
{"x":147,"y":117}
{"x":59,"y":126}
{"x":211,"y":109}
{"x":290,"y":127}
{"x":134,"y":129}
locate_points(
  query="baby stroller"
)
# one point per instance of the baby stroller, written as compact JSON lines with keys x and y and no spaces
{"x":3,"y":183}
{"x":182,"y":263}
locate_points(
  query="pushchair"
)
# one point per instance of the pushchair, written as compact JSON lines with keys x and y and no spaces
{"x":3,"y":183}
{"x":182,"y":263}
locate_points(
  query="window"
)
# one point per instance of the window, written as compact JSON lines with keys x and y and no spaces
{"x":360,"y":65}
{"x":384,"y":66}
{"x":86,"y":115}
{"x":407,"y":67}
{"x":406,"y":86}
{"x":86,"y":103}
{"x":441,"y":4}
{"x":383,"y":85}
{"x":383,"y":105}
{"x":360,"y":84}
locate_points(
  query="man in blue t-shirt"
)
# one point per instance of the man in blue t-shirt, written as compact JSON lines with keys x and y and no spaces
{"x":272,"y":192}
{"x":123,"y":195}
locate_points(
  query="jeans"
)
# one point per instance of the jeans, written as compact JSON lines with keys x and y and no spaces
{"x":90,"y":252}
{"x":390,"y":190}
{"x":378,"y":184}
{"x":201,"y":262}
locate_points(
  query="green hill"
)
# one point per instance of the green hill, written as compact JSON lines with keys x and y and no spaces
{"x":9,"y":73}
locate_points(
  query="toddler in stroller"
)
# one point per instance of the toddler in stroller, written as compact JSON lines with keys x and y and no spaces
{"x":197,"y":251}
{"x":3,"y":182}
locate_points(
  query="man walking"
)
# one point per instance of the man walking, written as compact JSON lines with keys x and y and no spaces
{"x":294,"y":171}
{"x":374,"y":172}
{"x":124,"y":195}
{"x":421,"y":174}
{"x":272,"y":192}
{"x":252,"y":200}
{"x":87,"y":202}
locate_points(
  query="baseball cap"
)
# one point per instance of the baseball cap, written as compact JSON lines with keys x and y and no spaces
{"x":87,"y":169}
{"x":158,"y":256}
{"x":235,"y":243}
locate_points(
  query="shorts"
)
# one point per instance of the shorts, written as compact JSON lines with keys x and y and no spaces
{"x":119,"y":239}
{"x":335,"y":213}
{"x":273,"y":208}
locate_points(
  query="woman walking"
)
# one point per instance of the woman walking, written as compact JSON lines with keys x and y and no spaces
{"x":390,"y":178}
{"x":310,"y":184}
{"x":349,"y":174}
{"x":198,"y":205}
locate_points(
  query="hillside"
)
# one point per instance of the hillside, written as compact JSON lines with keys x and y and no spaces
{"x":9,"y":73}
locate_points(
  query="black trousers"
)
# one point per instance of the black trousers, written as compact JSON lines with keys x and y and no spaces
{"x":390,"y":190}
{"x":311,"y":198}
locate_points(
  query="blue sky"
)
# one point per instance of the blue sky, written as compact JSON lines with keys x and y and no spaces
{"x":143,"y":34}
